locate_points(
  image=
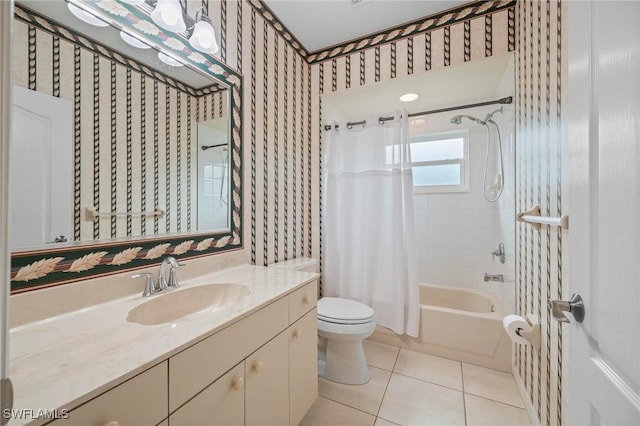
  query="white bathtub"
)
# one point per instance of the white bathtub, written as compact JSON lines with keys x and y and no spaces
{"x":460,"y":324}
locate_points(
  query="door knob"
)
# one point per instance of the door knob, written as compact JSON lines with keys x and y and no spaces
{"x":574,"y":306}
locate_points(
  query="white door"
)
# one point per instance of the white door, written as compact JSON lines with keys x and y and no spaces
{"x":41,"y":169}
{"x":603,"y":158}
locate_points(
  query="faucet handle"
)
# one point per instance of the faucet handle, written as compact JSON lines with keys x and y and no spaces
{"x":173,"y":280}
{"x":150,"y":286}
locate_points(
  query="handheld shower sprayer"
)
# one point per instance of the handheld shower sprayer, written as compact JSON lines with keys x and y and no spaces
{"x":498,"y":184}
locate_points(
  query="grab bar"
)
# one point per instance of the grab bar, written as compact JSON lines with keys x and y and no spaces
{"x":533,"y":218}
{"x":91,"y":214}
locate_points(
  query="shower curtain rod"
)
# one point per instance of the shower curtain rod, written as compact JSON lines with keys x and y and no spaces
{"x":506,"y":100}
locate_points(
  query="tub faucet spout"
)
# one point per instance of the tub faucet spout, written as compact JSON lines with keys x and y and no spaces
{"x":490,"y":277}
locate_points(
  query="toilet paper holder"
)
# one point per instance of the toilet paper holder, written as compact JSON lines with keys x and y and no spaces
{"x":532,"y":335}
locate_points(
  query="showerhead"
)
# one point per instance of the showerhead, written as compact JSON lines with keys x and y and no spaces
{"x":458,"y":119}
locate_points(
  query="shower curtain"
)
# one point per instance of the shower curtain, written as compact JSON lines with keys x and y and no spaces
{"x":368,"y":227}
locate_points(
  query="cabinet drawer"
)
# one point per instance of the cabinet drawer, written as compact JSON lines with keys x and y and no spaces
{"x":141,"y":400}
{"x":302,"y":301}
{"x":196,"y":367}
{"x":221,"y":403}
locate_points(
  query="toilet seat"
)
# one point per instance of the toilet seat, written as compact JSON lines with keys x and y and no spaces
{"x":343,"y":311}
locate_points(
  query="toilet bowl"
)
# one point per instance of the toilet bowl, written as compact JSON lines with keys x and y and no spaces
{"x":342,"y":326}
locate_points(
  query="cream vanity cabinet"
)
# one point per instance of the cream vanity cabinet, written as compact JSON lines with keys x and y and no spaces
{"x":275,"y":382}
{"x":272,"y":385}
{"x":260,"y":370}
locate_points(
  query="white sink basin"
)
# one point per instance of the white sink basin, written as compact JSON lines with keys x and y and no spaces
{"x":177,"y":304}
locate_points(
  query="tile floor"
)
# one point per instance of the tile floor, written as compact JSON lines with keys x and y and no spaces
{"x":412,"y":388}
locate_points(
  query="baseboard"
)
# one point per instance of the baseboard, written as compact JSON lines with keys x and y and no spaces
{"x":528,"y":405}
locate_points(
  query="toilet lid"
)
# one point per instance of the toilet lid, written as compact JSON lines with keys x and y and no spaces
{"x":343,"y":311}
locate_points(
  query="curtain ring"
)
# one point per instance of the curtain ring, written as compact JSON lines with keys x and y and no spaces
{"x":364,"y":124}
{"x":380,"y":121}
{"x":349,"y":126}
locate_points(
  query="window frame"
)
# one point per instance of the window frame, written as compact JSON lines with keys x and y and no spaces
{"x":464,"y":162}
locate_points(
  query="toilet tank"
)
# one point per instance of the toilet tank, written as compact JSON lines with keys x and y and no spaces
{"x":306,"y":264}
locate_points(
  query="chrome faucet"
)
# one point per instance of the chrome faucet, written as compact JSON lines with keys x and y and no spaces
{"x":172,"y":281}
{"x":498,"y":252}
{"x":150,"y":287}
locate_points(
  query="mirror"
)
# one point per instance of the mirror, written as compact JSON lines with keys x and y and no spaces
{"x":117,"y":145}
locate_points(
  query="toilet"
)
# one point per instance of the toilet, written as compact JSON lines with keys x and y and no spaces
{"x":342,"y":326}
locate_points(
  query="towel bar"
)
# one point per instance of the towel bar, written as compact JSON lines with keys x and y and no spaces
{"x":533,"y":218}
{"x":91,"y":214}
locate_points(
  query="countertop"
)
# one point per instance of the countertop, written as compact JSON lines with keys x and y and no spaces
{"x":64,"y":361}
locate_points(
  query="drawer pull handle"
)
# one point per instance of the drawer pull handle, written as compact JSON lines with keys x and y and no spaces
{"x":112,"y":423}
{"x":257,"y":367}
{"x":297,"y":333}
{"x":237,"y":383}
{"x":306,"y":300}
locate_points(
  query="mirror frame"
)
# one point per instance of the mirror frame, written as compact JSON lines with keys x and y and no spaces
{"x":47,"y":267}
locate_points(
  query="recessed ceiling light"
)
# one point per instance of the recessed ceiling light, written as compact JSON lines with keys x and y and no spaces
{"x":133,"y":41}
{"x":409,"y":97}
{"x":85,"y":16}
{"x":169,"y":60}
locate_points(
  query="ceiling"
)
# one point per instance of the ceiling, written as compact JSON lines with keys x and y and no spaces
{"x":462,"y":84}
{"x":319,"y":24}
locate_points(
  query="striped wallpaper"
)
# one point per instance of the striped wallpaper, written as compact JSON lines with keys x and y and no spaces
{"x":540,"y":74}
{"x":135,"y":140}
{"x":278,"y":156}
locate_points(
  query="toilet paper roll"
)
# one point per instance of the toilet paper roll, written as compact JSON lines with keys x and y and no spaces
{"x":512,"y":323}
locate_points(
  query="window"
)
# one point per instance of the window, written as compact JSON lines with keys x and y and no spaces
{"x":440,"y":162}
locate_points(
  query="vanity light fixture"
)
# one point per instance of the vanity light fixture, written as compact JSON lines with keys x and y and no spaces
{"x":86,"y":16}
{"x":409,"y":97}
{"x":168,"y":15}
{"x":133,"y":41}
{"x":203,"y":37}
{"x":169,"y":60}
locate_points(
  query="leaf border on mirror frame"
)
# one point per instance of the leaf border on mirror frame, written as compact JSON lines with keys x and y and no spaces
{"x":36,"y":269}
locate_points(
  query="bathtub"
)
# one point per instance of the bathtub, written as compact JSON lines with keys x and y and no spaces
{"x":460,"y":324}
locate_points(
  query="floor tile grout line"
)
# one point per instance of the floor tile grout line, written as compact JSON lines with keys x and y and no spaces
{"x":388,"y":381}
{"x":387,"y":420}
{"x":464,"y":396}
{"x":494,"y":400}
{"x":427,"y":381}
{"x":348,"y":406}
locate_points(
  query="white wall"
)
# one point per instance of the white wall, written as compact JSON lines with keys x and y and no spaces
{"x":456,"y":232}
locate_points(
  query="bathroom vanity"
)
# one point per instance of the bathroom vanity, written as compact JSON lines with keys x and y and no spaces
{"x":251,"y":362}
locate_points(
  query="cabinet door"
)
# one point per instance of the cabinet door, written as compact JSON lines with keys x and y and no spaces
{"x":141,"y":400}
{"x":220,"y":403}
{"x":303,"y":364}
{"x":267,"y":384}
